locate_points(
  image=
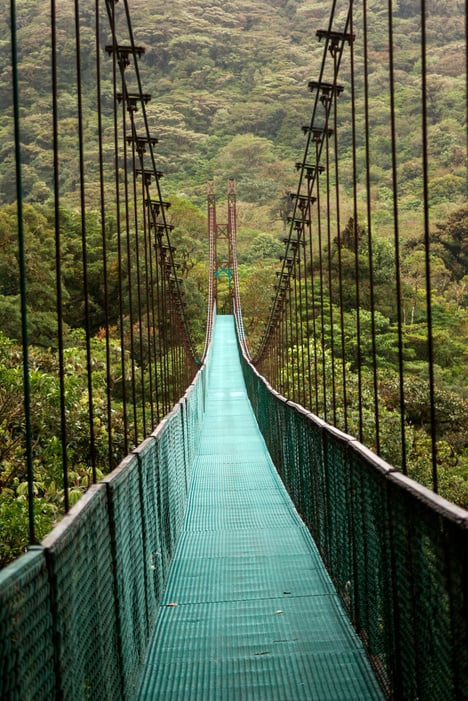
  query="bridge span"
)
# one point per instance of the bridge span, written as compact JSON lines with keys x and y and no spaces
{"x":249,"y":611}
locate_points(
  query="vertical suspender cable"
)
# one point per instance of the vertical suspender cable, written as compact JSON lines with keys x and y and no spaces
{"x":396,"y":235}
{"x":156,"y":317}
{"x":370,"y":256}
{"x":330,"y":276}
{"x":160,"y":302}
{"x":307,"y":307}
{"x":290,"y":354}
{"x":22,"y":267}
{"x":148,"y":305}
{"x":105,"y":276}
{"x":430,"y":347}
{"x":128,"y":254}
{"x":298,"y":322}
{"x":83,"y":240}
{"x":151,"y":317}
{"x":321,"y":281}
{"x":302,"y":318}
{"x":138,"y":267}
{"x":356,"y":227}
{"x":123,"y":365}
{"x":181,"y":353}
{"x":284,"y":349}
{"x":344,"y":399}
{"x":58,"y":257}
{"x":272,"y":359}
{"x":163,"y":321}
{"x":174,"y":341}
{"x":314,"y":318}
{"x":153,"y":165}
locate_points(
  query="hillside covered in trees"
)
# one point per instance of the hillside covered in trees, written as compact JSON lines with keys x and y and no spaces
{"x":228,"y":82}
{"x":229,"y":94}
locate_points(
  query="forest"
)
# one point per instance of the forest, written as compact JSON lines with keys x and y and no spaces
{"x":229,"y":96}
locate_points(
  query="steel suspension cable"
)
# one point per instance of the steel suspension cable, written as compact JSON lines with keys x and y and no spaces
{"x":128,"y":253}
{"x":58,"y":256}
{"x":427,"y":249}
{"x":307,"y":242}
{"x":396,"y":235}
{"x":325,"y":94}
{"x":314,"y":360}
{"x":22,"y":272}
{"x":308,"y":130}
{"x":103,"y":215}
{"x":138,"y":265}
{"x":294,"y":340}
{"x":163,"y":311}
{"x":344,"y":399}
{"x":110,"y":5}
{"x":170,"y":343}
{"x":211,"y":265}
{"x":156,"y":306}
{"x":158,"y":187}
{"x":330,"y":276}
{"x":151,"y":289}
{"x":152,"y":321}
{"x":370,"y":256}
{"x":356,"y":225}
{"x":148,"y":302}
{"x":84,"y":247}
{"x":321,"y":276}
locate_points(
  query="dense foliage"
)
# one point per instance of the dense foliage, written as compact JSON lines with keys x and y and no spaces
{"x":348,"y":372}
{"x":228,"y":83}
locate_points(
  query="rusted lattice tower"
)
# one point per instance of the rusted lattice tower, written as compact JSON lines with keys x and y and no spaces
{"x":222,"y":244}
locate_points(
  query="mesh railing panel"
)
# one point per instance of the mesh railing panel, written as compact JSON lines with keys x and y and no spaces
{"x":369,"y":590}
{"x":77,"y":613}
{"x":167,"y":485}
{"x":78,"y":553}
{"x":397,"y":553}
{"x":176,"y":477}
{"x":26,"y":635}
{"x":126,"y":517}
{"x":154,"y":562}
{"x":431,"y":586}
{"x":194,"y":407}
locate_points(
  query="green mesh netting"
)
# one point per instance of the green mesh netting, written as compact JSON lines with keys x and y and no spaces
{"x":26,"y":635}
{"x":79,"y":558}
{"x":76,"y":614}
{"x":397,"y":554}
{"x":254,"y":619}
{"x":126,"y":523}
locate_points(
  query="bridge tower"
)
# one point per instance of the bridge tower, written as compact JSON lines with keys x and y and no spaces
{"x":222,"y":245}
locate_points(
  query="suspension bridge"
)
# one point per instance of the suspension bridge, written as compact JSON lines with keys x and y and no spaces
{"x":243,"y":535}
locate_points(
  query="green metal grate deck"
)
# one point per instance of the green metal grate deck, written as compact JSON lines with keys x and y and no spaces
{"x":249,"y":612}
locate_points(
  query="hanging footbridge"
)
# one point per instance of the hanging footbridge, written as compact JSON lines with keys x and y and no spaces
{"x":242,"y":535}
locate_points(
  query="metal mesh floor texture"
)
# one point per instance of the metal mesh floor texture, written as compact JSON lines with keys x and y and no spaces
{"x":249,"y":612}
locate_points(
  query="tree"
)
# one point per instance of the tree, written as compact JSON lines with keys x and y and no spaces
{"x":451,"y":243}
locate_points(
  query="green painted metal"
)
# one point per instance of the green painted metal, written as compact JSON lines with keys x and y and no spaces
{"x":76,"y":613}
{"x":397,"y":553}
{"x":79,"y":565}
{"x":195,"y":534}
{"x":26,"y":630}
{"x":249,"y":611}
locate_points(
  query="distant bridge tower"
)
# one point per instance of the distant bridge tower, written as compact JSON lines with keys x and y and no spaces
{"x":222,"y":243}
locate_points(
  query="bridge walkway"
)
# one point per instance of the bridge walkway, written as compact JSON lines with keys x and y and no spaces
{"x":249,"y":612}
